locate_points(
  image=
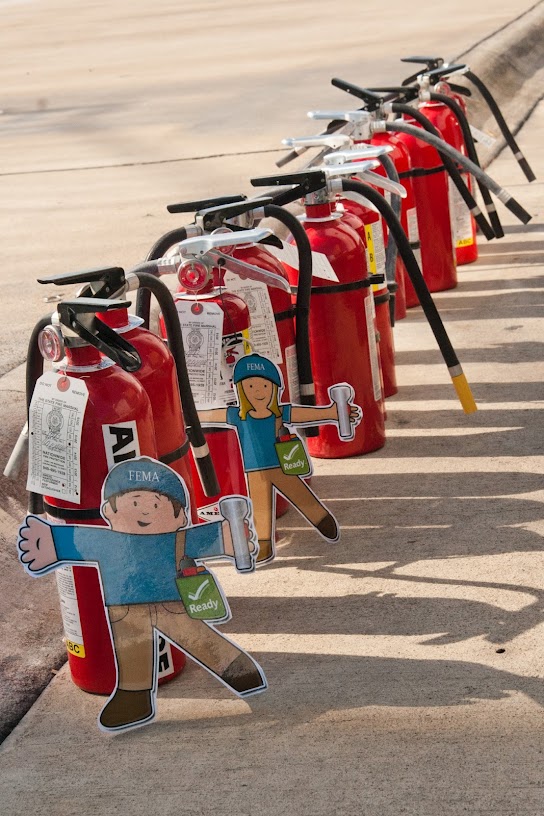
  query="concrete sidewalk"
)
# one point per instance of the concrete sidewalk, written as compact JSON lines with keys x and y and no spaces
{"x":406,"y":663}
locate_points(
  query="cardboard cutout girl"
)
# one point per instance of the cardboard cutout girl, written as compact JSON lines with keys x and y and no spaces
{"x":274,"y":459}
{"x":148,"y":561}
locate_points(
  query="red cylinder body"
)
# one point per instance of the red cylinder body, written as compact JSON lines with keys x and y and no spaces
{"x":158,"y":377}
{"x":343,"y":334}
{"x":222,"y":442}
{"x":430,"y":185}
{"x":115,"y":399}
{"x":408,"y":218}
{"x":463,"y":224}
{"x":276,"y":341}
{"x":368,"y":225}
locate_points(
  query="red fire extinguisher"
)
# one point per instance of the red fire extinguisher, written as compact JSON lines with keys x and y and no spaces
{"x":207,"y":311}
{"x":342,"y":328}
{"x":437,"y":65}
{"x":117,"y":424}
{"x":286,"y":338}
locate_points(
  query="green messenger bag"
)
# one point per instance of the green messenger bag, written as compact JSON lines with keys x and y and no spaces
{"x":201,"y":594}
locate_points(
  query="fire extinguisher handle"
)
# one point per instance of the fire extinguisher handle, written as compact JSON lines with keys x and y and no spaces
{"x":79,"y":316}
{"x":372,"y":100}
{"x":112,"y":278}
{"x":204,"y":203}
{"x":429,"y":62}
{"x":446,"y":70}
{"x":408,"y":92}
{"x":214,"y":217}
{"x":306,"y":182}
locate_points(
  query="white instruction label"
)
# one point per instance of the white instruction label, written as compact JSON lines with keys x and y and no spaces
{"x":482,"y":138}
{"x":233,"y":346}
{"x":321,"y":267}
{"x":69,"y":609}
{"x":202,"y":329}
{"x":288,"y":254}
{"x":461,"y":222}
{"x":413,"y":234}
{"x":292,"y":374}
{"x":373,"y":347}
{"x":55,"y":425}
{"x":263,"y":333}
{"x":375,"y":251}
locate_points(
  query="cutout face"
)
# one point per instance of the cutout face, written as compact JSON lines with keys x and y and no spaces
{"x":258,"y":390}
{"x":142,"y":511}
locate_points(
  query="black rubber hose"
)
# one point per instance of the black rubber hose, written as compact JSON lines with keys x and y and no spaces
{"x":158,"y":250}
{"x":146,"y":274}
{"x":302,"y":312}
{"x":459,"y":114}
{"x":450,"y":166}
{"x":443,"y":147}
{"x":34,"y":370}
{"x":420,"y":286}
{"x":500,"y":120}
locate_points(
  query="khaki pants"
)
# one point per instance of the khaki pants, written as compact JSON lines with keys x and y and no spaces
{"x":132,"y":627}
{"x":261,"y":484}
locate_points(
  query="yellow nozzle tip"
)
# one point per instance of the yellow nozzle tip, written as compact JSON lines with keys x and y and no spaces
{"x":464,"y":393}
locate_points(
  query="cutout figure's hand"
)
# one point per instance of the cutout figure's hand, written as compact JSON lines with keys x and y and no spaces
{"x":355,"y":413}
{"x":36,"y":546}
{"x":227,"y":539}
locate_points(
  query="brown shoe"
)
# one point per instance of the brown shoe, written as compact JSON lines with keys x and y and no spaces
{"x":266,"y":551}
{"x":329,"y":528}
{"x":243,"y":676}
{"x":127,"y":708}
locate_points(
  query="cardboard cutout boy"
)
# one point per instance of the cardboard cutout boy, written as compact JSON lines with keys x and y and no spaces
{"x":274,"y":459}
{"x":139,"y":560}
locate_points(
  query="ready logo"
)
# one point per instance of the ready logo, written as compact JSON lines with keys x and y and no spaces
{"x":202,"y":596}
{"x":293,"y":457}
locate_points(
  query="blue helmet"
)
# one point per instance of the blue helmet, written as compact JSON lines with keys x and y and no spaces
{"x":144,"y":474}
{"x":254,"y":365}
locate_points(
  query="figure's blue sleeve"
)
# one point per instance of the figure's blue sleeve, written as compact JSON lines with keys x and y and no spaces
{"x":204,"y":541}
{"x":73,"y":543}
{"x":233,"y":417}
{"x":286,"y":413}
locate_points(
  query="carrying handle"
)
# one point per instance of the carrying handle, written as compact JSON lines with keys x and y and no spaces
{"x":332,"y":140}
{"x":372,"y":101}
{"x":204,"y":203}
{"x":305,"y":182}
{"x":112,"y":279}
{"x":79,"y":316}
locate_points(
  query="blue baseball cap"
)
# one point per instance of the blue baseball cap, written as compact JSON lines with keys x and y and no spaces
{"x":144,"y":474}
{"x":254,"y":365}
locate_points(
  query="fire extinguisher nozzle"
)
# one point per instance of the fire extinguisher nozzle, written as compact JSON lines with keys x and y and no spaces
{"x":464,"y":393}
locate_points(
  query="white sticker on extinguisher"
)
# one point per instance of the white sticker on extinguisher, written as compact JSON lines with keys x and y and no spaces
{"x":375,"y":250}
{"x":373,"y":347}
{"x":210,"y":512}
{"x":482,"y":137}
{"x":291,"y":368}
{"x":55,"y":422}
{"x":69,"y":609}
{"x":413,"y":234}
{"x":263,"y":333}
{"x":321,"y":266}
{"x":202,"y":329}
{"x":233,"y":347}
{"x":165,"y":661}
{"x":120,"y":442}
{"x":461,"y":221}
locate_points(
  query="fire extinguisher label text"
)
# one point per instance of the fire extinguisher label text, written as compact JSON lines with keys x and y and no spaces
{"x":55,"y":424}
{"x":121,"y":442}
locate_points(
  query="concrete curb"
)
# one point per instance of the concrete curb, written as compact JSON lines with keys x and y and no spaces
{"x":511,"y":63}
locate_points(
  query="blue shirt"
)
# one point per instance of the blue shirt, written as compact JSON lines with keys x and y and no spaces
{"x":258,"y":437}
{"x":135,"y":568}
